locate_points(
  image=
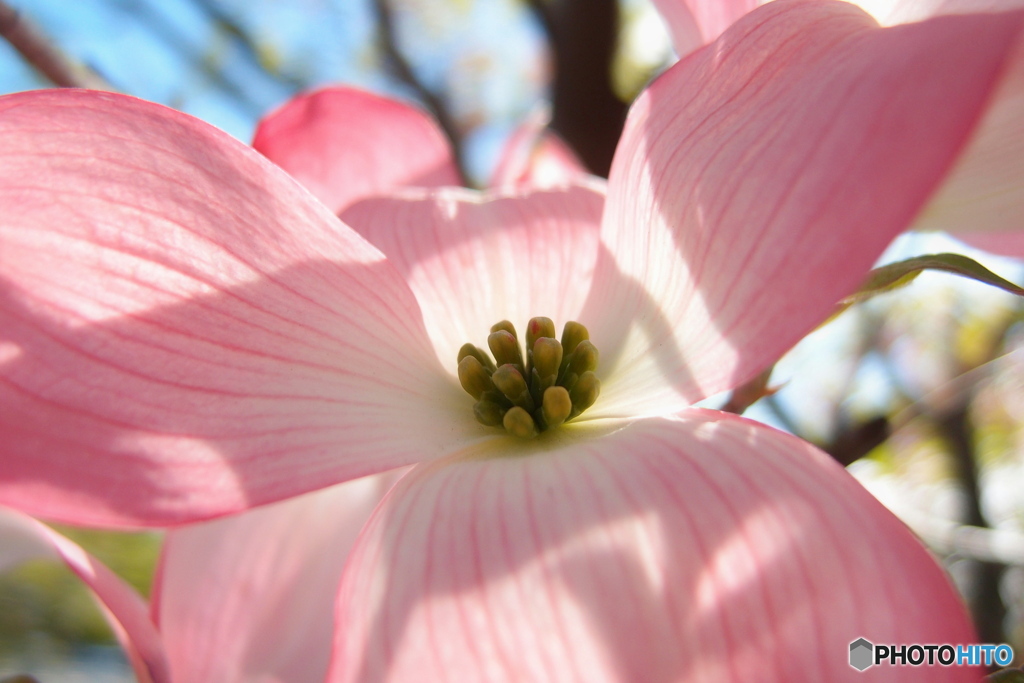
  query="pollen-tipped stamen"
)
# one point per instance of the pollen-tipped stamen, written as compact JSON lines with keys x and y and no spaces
{"x":584,"y":358}
{"x":489,"y":413}
{"x":556,"y":408}
{"x":547,"y":358}
{"x":555,"y":384}
{"x":474,"y":378}
{"x":537,"y":328}
{"x":479,"y":354}
{"x":507,"y":326}
{"x":572,"y":334}
{"x":519,"y":423}
{"x":505,"y":347}
{"x":584,"y":393}
{"x":511,"y":383}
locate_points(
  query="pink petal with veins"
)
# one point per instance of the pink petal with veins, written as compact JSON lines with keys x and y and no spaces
{"x":247,"y":598}
{"x":186,"y":332}
{"x":760,"y":178}
{"x":892,"y":12}
{"x":1007,"y":242}
{"x":702,"y":547}
{"x":535,"y":156}
{"x":23,"y":538}
{"x":981,"y":200}
{"x":474,"y":259}
{"x":346,"y":144}
{"x":693,"y":23}
{"x":982,"y":195}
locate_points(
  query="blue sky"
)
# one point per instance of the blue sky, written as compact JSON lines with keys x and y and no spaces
{"x":487,"y":57}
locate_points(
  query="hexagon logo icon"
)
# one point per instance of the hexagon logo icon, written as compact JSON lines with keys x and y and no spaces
{"x":860,"y":654}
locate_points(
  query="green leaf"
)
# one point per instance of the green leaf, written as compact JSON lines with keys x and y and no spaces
{"x":896,"y":275}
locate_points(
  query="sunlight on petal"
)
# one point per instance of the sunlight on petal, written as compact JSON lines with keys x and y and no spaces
{"x":473,"y":259}
{"x":346,"y":144}
{"x":180,"y":302}
{"x":661,"y":550}
{"x":769,"y":171}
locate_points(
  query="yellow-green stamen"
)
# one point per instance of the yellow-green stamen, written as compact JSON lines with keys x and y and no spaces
{"x":505,"y":348}
{"x":554,"y":384}
{"x":572,"y":334}
{"x":488,"y":413}
{"x":474,"y":378}
{"x":510,"y":382}
{"x":557,"y":406}
{"x":519,"y":423}
{"x":479,"y":354}
{"x":536,"y":329}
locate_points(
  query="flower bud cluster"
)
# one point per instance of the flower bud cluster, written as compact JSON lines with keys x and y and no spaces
{"x":552,"y":384}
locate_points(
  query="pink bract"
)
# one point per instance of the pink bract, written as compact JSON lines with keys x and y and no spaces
{"x":536,"y":156}
{"x":235,"y":600}
{"x":208,"y":337}
{"x":392,"y":145}
{"x":981,"y":197}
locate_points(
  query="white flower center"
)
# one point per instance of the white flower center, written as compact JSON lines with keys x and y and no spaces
{"x":555,"y":383}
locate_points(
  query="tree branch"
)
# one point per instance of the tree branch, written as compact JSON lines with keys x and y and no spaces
{"x":957,"y":430}
{"x":226,"y":23}
{"x":585,"y":110}
{"x":744,"y":396}
{"x":404,"y":72}
{"x":42,"y":55}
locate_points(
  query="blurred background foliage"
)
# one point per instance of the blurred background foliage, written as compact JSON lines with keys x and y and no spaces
{"x":47,"y":615}
{"x":921,"y":389}
{"x":72,"y":616}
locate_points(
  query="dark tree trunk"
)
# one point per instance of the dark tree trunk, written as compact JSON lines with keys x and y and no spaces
{"x":586,"y":112}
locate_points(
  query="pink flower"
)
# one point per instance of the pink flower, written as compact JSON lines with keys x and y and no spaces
{"x":189,"y":333}
{"x":23,"y":538}
{"x":535,"y":156}
{"x":243,"y":598}
{"x":980,"y":198}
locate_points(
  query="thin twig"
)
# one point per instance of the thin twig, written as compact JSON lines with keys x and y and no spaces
{"x":979,"y":543}
{"x":748,"y":394}
{"x":43,"y":55}
{"x":241,"y":93}
{"x":226,"y":23}
{"x":955,"y":427}
{"x":404,"y":72}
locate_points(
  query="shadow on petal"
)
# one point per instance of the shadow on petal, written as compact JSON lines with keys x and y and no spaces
{"x":759,"y":179}
{"x":220,"y":402}
{"x":699,"y":548}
